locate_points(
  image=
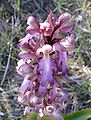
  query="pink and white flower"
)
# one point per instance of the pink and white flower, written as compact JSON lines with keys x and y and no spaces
{"x":44,"y":54}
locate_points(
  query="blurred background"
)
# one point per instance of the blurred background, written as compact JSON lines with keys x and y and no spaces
{"x":13,"y":16}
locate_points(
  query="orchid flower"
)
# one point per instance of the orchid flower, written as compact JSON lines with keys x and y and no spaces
{"x":44,"y":55}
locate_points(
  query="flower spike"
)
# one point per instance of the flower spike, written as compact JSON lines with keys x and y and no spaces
{"x":43,"y":58}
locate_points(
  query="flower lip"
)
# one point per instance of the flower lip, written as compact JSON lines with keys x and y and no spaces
{"x":47,"y":48}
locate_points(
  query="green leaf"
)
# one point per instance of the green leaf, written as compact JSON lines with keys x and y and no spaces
{"x":80,"y":115}
{"x":31,"y":116}
{"x":19,"y":4}
{"x":45,"y":118}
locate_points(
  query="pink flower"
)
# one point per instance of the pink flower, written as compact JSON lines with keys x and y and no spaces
{"x":48,"y":26}
{"x":44,"y":57}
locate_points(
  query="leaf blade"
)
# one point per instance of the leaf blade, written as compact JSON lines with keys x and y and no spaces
{"x":80,"y":115}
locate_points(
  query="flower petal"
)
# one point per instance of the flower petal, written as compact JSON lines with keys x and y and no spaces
{"x":63,"y":19}
{"x":62,"y":57}
{"x":33,"y":21}
{"x":26,"y":85}
{"x":42,"y":90}
{"x":68,"y":42}
{"x":33,"y":31}
{"x":25,"y":55}
{"x":67,"y":28}
{"x":48,"y":26}
{"x":45,"y":68}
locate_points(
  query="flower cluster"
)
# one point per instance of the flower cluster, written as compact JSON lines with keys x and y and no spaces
{"x":45,"y":51}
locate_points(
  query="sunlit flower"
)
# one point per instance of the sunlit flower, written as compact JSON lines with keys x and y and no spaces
{"x":45,"y":51}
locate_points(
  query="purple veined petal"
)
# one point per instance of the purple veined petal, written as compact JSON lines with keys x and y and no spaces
{"x":46,"y":66}
{"x":25,"y":55}
{"x":67,"y":27}
{"x":68,"y":44}
{"x":46,"y":78}
{"x":33,"y":31}
{"x":26,"y":85}
{"x":63,"y":56}
{"x":29,"y":43}
{"x":58,"y":47}
{"x":56,"y":115}
{"x":24,"y":69}
{"x":43,"y":80}
{"x":33,"y":21}
{"x":25,"y":42}
{"x":63,"y":19}
{"x":71,"y":39}
{"x":42,"y":90}
{"x":32,"y":43}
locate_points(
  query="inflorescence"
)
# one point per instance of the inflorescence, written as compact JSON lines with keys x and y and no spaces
{"x":45,"y":51}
